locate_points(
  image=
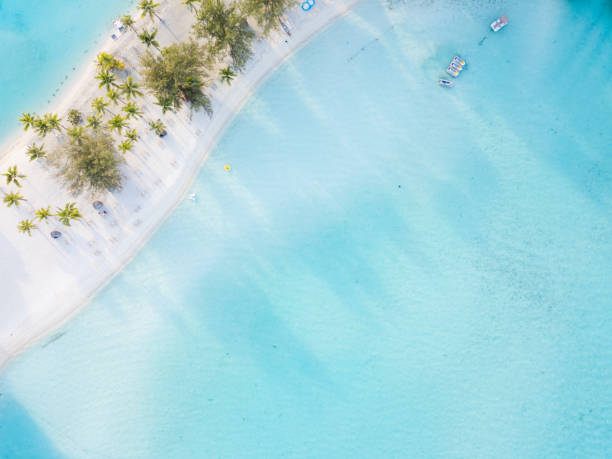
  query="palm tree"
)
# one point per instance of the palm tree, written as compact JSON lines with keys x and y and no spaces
{"x":106,"y":61}
{"x":227,"y":75}
{"x":94,"y":122}
{"x":53,"y":121}
{"x":165,"y":104}
{"x":43,"y":213}
{"x":131,"y":110}
{"x":158,"y":127}
{"x":99,"y":105}
{"x":68,"y":213}
{"x":35,"y":152}
{"x":26,"y":227}
{"x":125,"y":146}
{"x":130,"y":88}
{"x":117,"y":122}
{"x":148,"y":8}
{"x":13,"y":175}
{"x":148,"y":38}
{"x":189,"y":4}
{"x":12,"y":199}
{"x":128,"y":21}
{"x":107,"y":79}
{"x":75,"y":117}
{"x":75,"y":133}
{"x":28,"y":120}
{"x":41,"y":126}
{"x":113,"y":96}
{"x":132,"y":135}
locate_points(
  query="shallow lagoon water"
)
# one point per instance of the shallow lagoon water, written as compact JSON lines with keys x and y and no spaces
{"x":390,"y":269}
{"x":43,"y":44}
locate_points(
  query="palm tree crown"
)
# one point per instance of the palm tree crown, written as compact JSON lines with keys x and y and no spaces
{"x":43,"y":213}
{"x":125,"y":146}
{"x":130,"y":88}
{"x":12,"y":199}
{"x":128,"y":21}
{"x":227,"y":75}
{"x":117,"y":122}
{"x":28,"y":120}
{"x":99,"y":105}
{"x":113,"y":96}
{"x":148,"y":7}
{"x":68,"y":213}
{"x":107,"y":79}
{"x":35,"y":152}
{"x":93,"y":121}
{"x":131,"y":110}
{"x":26,"y":227}
{"x":148,"y":38}
{"x":13,"y":175}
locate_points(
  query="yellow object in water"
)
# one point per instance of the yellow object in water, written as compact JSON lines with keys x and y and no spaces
{"x":227,"y":167}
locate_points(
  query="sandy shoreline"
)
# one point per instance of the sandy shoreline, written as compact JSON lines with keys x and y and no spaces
{"x":46,"y":281}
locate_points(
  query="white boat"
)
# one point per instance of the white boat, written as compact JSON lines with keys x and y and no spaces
{"x":444,"y":82}
{"x":459,"y":61}
{"x":452,"y":71}
{"x":499,"y":23}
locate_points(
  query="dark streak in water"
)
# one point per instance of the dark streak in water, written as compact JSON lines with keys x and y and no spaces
{"x":53,"y":339}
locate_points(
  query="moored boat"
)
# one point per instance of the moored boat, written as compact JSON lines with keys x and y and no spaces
{"x":499,"y":23}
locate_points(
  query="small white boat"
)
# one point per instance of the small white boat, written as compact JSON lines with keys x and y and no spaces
{"x":444,"y":82}
{"x":459,"y":61}
{"x":452,"y":71}
{"x":499,"y":23}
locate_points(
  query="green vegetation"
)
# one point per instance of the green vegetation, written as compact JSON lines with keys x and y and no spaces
{"x":130,"y":88}
{"x":94,"y":122}
{"x":109,"y":63}
{"x":36,"y":152}
{"x":12,"y":199}
{"x":74,"y":117}
{"x":99,"y":105}
{"x":26,"y":227}
{"x":226,"y":31}
{"x":148,"y":8}
{"x":68,"y":213}
{"x":128,"y":21}
{"x":13,"y":176}
{"x":227,"y":75}
{"x":125,"y":146}
{"x":158,"y":127}
{"x":92,"y":164}
{"x":131,"y":110}
{"x":267,"y":12}
{"x":132,"y":135}
{"x":28,"y":120}
{"x":106,"y":79}
{"x":117,"y":123}
{"x":75,"y":133}
{"x":176,"y":76}
{"x":148,"y":38}
{"x":189,"y":4}
{"x":113,"y":96}
{"x":43,"y":213}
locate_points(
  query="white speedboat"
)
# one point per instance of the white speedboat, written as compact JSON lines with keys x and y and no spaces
{"x":499,"y":23}
{"x":444,"y":82}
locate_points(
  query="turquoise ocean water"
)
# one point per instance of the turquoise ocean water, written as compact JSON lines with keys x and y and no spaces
{"x":390,"y":269}
{"x":43,"y":43}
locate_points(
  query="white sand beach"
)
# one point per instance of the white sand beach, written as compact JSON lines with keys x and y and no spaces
{"x":44,"y":280}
